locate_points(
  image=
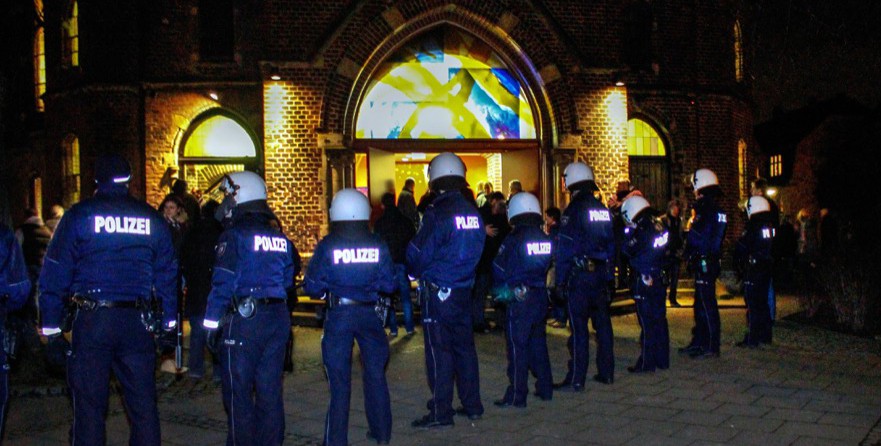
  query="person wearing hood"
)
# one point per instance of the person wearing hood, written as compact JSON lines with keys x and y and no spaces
{"x":247,"y":316}
{"x":110,"y":252}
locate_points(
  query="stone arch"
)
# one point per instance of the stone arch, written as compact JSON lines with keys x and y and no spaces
{"x":343,"y":93}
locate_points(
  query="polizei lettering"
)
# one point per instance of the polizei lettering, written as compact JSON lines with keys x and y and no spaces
{"x":122,"y":225}
{"x":270,"y":244}
{"x":662,"y":240}
{"x":538,"y":248}
{"x":467,"y":223}
{"x":599,"y":215}
{"x":355,"y":255}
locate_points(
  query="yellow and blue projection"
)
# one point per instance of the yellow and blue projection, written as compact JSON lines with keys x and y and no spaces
{"x":445,"y":84}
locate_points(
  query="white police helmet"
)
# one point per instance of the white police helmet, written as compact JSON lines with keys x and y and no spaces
{"x":523,"y":203}
{"x":632,"y":207}
{"x":244,"y":186}
{"x":444,"y":165}
{"x":349,"y":205}
{"x":703,"y":178}
{"x":577,"y":172}
{"x":757,"y":204}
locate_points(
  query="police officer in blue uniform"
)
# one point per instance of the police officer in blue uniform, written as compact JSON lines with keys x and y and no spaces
{"x":349,"y":268}
{"x":247,"y":312}
{"x":646,"y":245}
{"x":583,"y":255}
{"x":443,"y":256}
{"x":15,"y":287}
{"x":520,"y":273}
{"x":108,"y":254}
{"x":703,"y":250}
{"x":753,"y":258}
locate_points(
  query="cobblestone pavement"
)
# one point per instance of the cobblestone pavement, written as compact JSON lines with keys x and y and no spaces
{"x":812,"y":387}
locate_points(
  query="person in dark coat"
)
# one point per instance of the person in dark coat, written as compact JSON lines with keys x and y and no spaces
{"x":497,"y":228}
{"x":34,"y":237}
{"x":197,"y":265}
{"x":407,"y":202}
{"x":180,"y":189}
{"x":394,"y":228}
{"x":673,"y":221}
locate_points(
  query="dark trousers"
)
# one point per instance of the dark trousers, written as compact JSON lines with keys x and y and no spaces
{"x":198,"y":338}
{"x":346,"y":324}
{"x":251,"y":358}
{"x":4,"y":389}
{"x":482,"y":283}
{"x":112,"y":339}
{"x":525,"y":335}
{"x":758,"y":315}
{"x":707,"y":325}
{"x":651,"y":311}
{"x":673,"y":274}
{"x":406,"y":302}
{"x":589,"y":299}
{"x":450,"y":353}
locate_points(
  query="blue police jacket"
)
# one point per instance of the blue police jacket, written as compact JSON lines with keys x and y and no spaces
{"x":523,"y":258}
{"x":110,"y":247}
{"x":585,"y":232}
{"x":756,"y":241}
{"x":253,"y":260}
{"x":14,"y":282}
{"x":646,"y":245}
{"x":356,"y":266}
{"x":707,"y":230}
{"x":448,"y":246}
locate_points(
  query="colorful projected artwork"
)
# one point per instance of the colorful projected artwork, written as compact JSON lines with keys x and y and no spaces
{"x":445,"y":84}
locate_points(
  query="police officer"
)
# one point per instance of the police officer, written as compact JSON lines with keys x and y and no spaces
{"x":520,"y":269}
{"x":443,"y":256}
{"x":15,"y":287}
{"x":109,"y":253}
{"x":753,"y":258}
{"x":247,"y":312}
{"x":646,"y":244}
{"x":349,"y":268}
{"x":584,"y":255}
{"x":703,"y":249}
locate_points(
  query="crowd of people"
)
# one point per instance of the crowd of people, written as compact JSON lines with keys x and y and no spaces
{"x":120,"y":275}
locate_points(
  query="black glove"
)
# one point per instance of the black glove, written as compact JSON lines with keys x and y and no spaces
{"x":214,"y":338}
{"x":167,"y":339}
{"x":57,"y":350}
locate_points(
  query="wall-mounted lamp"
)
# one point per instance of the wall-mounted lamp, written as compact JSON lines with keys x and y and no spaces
{"x":213,"y":95}
{"x":274,"y":73}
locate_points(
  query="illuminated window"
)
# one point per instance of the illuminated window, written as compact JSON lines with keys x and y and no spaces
{"x":643,"y":140}
{"x":39,"y":68}
{"x":738,"y":53}
{"x":742,"y":168}
{"x":71,"y":32}
{"x":445,"y":84}
{"x":219,"y":137}
{"x":71,"y":170}
{"x":776,"y":166}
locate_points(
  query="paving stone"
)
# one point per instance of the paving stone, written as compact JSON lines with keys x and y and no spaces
{"x":822,"y":431}
{"x":741,"y":422}
{"x":846,"y":419}
{"x":700,"y":418}
{"x":708,"y":433}
{"x":759,"y":438}
{"x":742,"y":409}
{"x":844,"y":407}
{"x":694,"y":405}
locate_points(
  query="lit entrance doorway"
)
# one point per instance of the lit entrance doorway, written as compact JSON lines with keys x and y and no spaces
{"x":378,"y":171}
{"x":649,"y":162}
{"x":216,"y":143}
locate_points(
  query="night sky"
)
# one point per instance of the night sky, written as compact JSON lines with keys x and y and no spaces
{"x":804,"y":50}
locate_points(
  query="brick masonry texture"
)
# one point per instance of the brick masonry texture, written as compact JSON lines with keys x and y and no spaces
{"x":142,"y":82}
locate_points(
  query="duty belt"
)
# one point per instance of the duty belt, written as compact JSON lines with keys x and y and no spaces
{"x":247,"y":306}
{"x":89,"y":304}
{"x":334,"y":301}
{"x":588,"y":264}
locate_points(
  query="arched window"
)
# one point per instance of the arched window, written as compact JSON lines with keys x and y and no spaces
{"x":71,"y":170}
{"x":39,"y":68}
{"x":445,"y":84}
{"x":738,"y":52}
{"x":216,"y":143}
{"x":71,"y":33}
{"x":742,"y":168}
{"x":649,"y":164}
